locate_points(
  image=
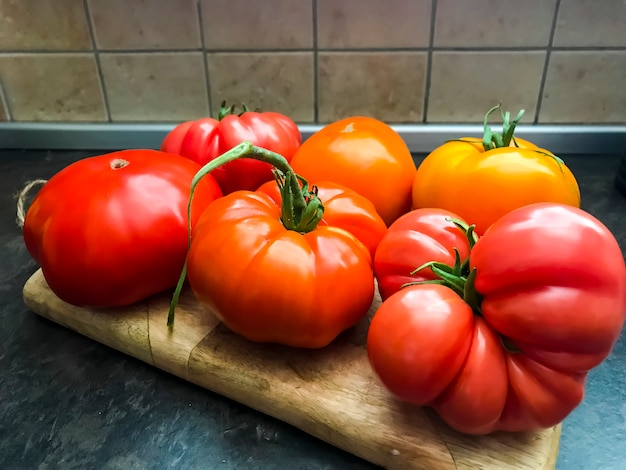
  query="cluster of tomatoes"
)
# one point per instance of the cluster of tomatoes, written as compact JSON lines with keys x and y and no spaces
{"x":492,"y":311}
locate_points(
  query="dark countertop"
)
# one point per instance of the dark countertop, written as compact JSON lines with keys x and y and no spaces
{"x":68,"y":402}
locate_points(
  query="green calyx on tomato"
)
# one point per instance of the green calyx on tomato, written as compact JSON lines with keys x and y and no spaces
{"x":493,"y":140}
{"x":228,"y":110}
{"x":458,"y":277}
{"x":301,"y":208}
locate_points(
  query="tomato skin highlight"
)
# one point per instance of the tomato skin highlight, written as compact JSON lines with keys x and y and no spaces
{"x":548,"y":314}
{"x":205,"y":139}
{"x":363,"y":154}
{"x":264,"y":281}
{"x":111,"y":230}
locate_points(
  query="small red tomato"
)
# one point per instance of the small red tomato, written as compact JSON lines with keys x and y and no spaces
{"x":416,"y":238}
{"x":207,"y":138}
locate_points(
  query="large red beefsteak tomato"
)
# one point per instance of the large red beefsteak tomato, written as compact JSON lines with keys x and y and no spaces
{"x":509,"y":345}
{"x":111,"y":230}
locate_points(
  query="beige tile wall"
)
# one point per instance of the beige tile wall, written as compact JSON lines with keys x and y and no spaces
{"x":403,"y":61}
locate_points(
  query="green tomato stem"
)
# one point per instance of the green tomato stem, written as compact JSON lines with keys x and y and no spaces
{"x":492,"y":140}
{"x":225,"y":111}
{"x":451,"y":277}
{"x":468,"y":230}
{"x":459,"y":277}
{"x":301,"y":208}
{"x":454,"y":282}
{"x":470,"y":295}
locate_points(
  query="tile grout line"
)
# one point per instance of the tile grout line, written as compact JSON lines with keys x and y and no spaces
{"x":316,"y":106}
{"x":205,"y":59}
{"x":546,"y":64}
{"x":8,"y":52}
{"x":5,"y":103}
{"x":96,"y":56}
{"x":429,"y":61}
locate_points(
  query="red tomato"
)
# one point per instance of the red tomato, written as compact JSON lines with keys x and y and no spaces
{"x":207,"y":138}
{"x":363,"y":154}
{"x":516,"y":358}
{"x":416,"y":238}
{"x":343,"y":208}
{"x":418,"y":340}
{"x":111,"y":230}
{"x":530,"y":271}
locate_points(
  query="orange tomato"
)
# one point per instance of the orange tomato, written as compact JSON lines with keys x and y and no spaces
{"x":482,"y":183}
{"x":269,"y":266}
{"x":365,"y":155}
{"x":271,"y":284}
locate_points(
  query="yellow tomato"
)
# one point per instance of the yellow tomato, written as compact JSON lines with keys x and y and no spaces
{"x":482,"y":183}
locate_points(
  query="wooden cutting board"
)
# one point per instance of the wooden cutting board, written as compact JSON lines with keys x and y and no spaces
{"x":331,"y":393}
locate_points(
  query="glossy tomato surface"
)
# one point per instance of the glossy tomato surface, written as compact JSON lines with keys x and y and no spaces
{"x":483,"y":185}
{"x":274,"y":285}
{"x":111,"y":230}
{"x":205,"y":139}
{"x":363,"y":154}
{"x":547,"y":314}
{"x":418,"y":237}
{"x":534,"y":267}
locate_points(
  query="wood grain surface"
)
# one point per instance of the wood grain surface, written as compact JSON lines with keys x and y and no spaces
{"x":329,"y":393}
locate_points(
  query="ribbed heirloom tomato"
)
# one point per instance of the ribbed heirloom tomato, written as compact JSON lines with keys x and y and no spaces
{"x":111,"y":230}
{"x":506,"y":344}
{"x":481,"y":180}
{"x":363,"y":154}
{"x":204,"y":139}
{"x":272,"y":272}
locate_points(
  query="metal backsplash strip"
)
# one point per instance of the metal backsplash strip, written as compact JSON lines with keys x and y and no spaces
{"x":420,"y":138}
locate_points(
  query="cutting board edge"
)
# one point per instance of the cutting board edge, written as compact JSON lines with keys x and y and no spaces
{"x":551,"y":454}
